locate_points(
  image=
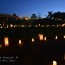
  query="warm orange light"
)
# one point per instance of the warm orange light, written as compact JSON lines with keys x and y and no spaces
{"x":32,"y":39}
{"x":20,"y":42}
{"x":64,"y":36}
{"x":6,"y":41}
{"x":54,"y":63}
{"x":40,"y":36}
{"x":56,"y":37}
{"x":45,"y":38}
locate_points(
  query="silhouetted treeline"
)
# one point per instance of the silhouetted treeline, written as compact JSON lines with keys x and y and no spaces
{"x":56,"y":15}
{"x":52,"y":18}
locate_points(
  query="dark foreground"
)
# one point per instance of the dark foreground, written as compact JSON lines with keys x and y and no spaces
{"x":31,"y":53}
{"x":37,"y":53}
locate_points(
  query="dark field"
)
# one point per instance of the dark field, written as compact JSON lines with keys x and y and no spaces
{"x":33,"y":53}
{"x":32,"y":31}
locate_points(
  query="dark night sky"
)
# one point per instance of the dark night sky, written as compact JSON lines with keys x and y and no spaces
{"x":27,"y":7}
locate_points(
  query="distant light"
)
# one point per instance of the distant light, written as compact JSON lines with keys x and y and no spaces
{"x":57,"y":25}
{"x":39,"y":24}
{"x":16,"y":57}
{"x":47,"y":25}
{"x":56,"y":37}
{"x":45,"y":38}
{"x":42,"y":25}
{"x":26,"y":18}
{"x":20,"y":42}
{"x":35,"y":25}
{"x":22,"y":25}
{"x":1,"y":27}
{"x":30,"y":25}
{"x":32,"y":39}
{"x":52,"y":18}
{"x":7,"y":26}
{"x":11,"y":25}
{"x":40,"y":36}
{"x":14,"y":26}
{"x":63,"y":25}
{"x":54,"y":63}
{"x":64,"y":36}
{"x":6,"y":41}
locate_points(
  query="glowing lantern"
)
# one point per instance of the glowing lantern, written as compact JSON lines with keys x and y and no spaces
{"x":11,"y":25}
{"x":39,"y":24}
{"x":1,"y":27}
{"x":32,"y":39}
{"x":54,"y":63}
{"x":64,"y":36}
{"x":6,"y":41}
{"x":45,"y":38}
{"x":41,"y":36}
{"x":20,"y":42}
{"x":14,"y":26}
{"x":56,"y":37}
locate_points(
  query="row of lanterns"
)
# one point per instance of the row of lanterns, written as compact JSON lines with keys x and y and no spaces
{"x":6,"y":40}
{"x":57,"y":37}
{"x":41,"y":37}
